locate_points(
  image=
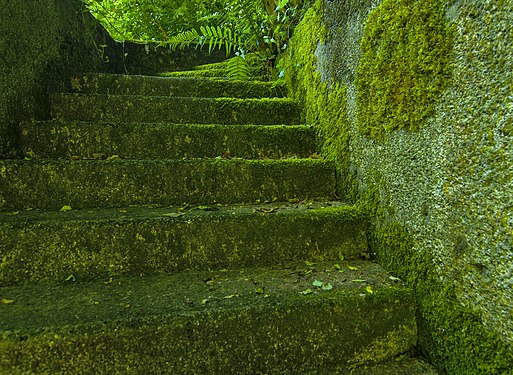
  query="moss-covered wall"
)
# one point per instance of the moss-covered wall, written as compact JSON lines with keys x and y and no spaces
{"x":42,"y":43}
{"x":430,"y":153}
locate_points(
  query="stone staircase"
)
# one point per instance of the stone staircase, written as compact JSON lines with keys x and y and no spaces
{"x":187,"y":225}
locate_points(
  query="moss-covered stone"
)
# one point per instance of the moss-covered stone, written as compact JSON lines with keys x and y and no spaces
{"x":103,"y":243}
{"x":51,"y":184}
{"x":437,"y":196}
{"x":169,"y":86}
{"x":122,"y":108}
{"x":205,"y":322}
{"x":404,"y":67}
{"x":324,"y":103}
{"x":79,"y":140}
{"x":199,"y":73}
{"x":42,"y":44}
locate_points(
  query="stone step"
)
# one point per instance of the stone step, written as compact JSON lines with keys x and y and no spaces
{"x":219,"y":73}
{"x":50,"y":184}
{"x":241,"y":321}
{"x":138,"y":108}
{"x":173,"y":86}
{"x":89,"y":244}
{"x":78,"y":140}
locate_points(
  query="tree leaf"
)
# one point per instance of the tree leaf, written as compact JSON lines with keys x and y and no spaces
{"x":66,"y":208}
{"x":306,"y":292}
{"x":5,"y":301}
{"x":369,"y":289}
{"x":317,"y":283}
{"x":327,"y":286}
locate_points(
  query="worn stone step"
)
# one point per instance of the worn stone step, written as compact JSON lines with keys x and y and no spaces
{"x":240,"y":321}
{"x":173,"y":86}
{"x":47,"y":184}
{"x":140,"y":240}
{"x":138,"y":108}
{"x":75,"y":139}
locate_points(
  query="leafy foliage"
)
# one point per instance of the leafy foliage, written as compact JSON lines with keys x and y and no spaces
{"x":257,"y":31}
{"x":150,"y":20}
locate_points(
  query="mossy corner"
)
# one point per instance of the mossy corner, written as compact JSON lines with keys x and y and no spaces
{"x":451,"y":335}
{"x":324,"y":105}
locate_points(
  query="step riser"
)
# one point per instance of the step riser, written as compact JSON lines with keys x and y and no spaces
{"x":162,"y":141}
{"x":82,"y":184}
{"x":169,"y":86}
{"x":90,"y":250}
{"x":175,"y":110}
{"x":283,"y":338}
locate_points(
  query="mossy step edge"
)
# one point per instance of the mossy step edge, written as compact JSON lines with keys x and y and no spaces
{"x":78,"y":140}
{"x":138,"y":240}
{"x":139,"y":108}
{"x":47,"y":184}
{"x":118,"y":84}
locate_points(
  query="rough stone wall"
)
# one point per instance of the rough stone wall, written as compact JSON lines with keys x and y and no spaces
{"x":441,"y":194}
{"x":42,"y":43}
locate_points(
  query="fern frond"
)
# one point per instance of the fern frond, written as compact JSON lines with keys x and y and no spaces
{"x":216,"y":36}
{"x":238,"y":69}
{"x":184,"y":39}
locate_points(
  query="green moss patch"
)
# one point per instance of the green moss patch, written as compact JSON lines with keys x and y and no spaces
{"x":182,"y":86}
{"x":113,"y":183}
{"x":123,"y":108}
{"x":240,"y":321}
{"x":405,"y":65}
{"x":199,"y":73}
{"x":79,"y":140}
{"x":137,"y":240}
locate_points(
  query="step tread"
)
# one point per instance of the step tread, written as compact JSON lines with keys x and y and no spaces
{"x":36,"y":245}
{"x":143,"y":108}
{"x":58,"y":304}
{"x":173,"y":86}
{"x":212,"y":320}
{"x":185,"y":212}
{"x":79,"y":139}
